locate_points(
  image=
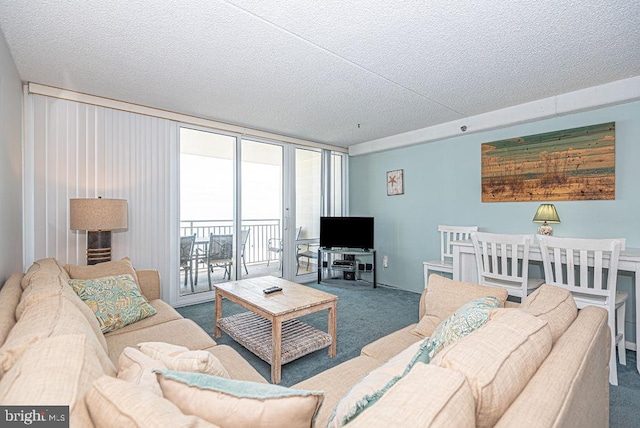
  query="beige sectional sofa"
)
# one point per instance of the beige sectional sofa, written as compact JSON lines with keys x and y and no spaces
{"x":543,"y":364}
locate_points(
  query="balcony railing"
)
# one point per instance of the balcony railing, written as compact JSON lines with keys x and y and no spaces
{"x":260,"y":231}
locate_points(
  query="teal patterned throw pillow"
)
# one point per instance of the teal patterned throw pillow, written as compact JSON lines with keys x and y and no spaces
{"x":115,"y":300}
{"x":462,"y":322}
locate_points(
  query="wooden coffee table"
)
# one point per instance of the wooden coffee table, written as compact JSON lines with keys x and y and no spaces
{"x":271,"y":330}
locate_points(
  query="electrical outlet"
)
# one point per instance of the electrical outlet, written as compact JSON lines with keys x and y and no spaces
{"x":385,"y":261}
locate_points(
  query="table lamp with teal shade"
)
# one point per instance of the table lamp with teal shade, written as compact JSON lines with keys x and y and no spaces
{"x":546,"y":214}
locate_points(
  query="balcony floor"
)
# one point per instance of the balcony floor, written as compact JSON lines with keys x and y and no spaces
{"x":255,"y":270}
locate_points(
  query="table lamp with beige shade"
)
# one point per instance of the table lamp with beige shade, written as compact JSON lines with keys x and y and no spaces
{"x":98,"y":216}
{"x":546,"y":214}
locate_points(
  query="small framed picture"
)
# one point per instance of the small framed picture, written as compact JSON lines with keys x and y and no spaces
{"x":395,"y":182}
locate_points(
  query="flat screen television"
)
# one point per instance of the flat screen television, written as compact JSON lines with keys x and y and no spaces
{"x":346,"y":232}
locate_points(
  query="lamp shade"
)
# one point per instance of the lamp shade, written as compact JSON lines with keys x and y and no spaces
{"x":546,"y":213}
{"x":98,"y":214}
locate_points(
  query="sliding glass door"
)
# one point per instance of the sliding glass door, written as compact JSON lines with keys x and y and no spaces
{"x":308,"y":203}
{"x":207,"y":225}
{"x":251,"y":208}
{"x":262,"y":221}
{"x":319,"y":191}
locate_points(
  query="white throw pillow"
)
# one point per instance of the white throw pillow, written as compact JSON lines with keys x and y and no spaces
{"x":137,"y":368}
{"x":182,"y":359}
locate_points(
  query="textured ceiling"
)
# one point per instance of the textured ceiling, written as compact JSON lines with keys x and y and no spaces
{"x":334,"y":72}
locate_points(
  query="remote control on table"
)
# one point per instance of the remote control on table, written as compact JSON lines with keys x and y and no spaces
{"x":271,"y":290}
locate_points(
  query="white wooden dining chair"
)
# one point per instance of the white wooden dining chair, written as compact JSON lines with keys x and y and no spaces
{"x":590,"y":258}
{"x":448,"y":234}
{"x":503,"y":260}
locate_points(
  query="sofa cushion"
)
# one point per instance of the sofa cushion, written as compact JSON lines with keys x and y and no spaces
{"x":183,"y":332}
{"x":428,"y":396}
{"x":571,"y":387}
{"x":101,"y":270}
{"x":9,"y":298}
{"x":443,"y":296}
{"x":498,"y":360}
{"x":47,"y":287}
{"x":369,"y":389}
{"x":115,"y":300}
{"x":218,"y":400}
{"x":54,"y":371}
{"x":46,"y":267}
{"x":182,"y":359}
{"x":390,"y":345}
{"x":136,"y":367}
{"x":554,"y":305}
{"x":53,"y":316}
{"x":115,"y":403}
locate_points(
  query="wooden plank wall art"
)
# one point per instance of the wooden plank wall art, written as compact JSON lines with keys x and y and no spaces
{"x":570,"y":165}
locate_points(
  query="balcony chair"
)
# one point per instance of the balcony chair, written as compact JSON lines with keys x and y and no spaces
{"x":187,"y":244}
{"x":448,"y":234}
{"x":275,"y":245}
{"x":219,"y":254}
{"x":590,"y":258}
{"x":307,"y":250}
{"x":244,"y":236}
{"x":493,"y":253}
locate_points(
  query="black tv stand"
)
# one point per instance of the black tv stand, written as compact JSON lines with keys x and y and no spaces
{"x":347,"y":264}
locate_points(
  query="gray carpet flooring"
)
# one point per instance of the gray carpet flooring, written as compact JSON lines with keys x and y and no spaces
{"x":366,"y":314}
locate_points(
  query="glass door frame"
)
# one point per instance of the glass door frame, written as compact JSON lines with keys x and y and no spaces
{"x":285,"y":197}
{"x":326,"y":195}
{"x":183,"y":300}
{"x":288,"y":209}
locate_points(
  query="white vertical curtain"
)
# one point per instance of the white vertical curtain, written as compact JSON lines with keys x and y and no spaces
{"x":76,"y":150}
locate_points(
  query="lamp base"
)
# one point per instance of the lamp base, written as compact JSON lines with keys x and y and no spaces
{"x":545,"y":230}
{"x":98,"y":246}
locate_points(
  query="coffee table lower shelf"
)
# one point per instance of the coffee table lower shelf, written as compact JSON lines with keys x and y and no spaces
{"x":255,"y":333}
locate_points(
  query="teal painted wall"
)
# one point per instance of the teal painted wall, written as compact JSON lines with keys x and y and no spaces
{"x":442,"y":186}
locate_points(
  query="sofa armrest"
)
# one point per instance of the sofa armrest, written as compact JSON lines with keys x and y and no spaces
{"x":149,"y":280}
